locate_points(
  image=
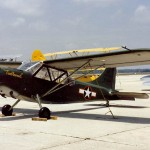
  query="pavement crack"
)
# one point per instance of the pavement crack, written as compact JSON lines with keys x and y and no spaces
{"x":123,"y":131}
{"x":81,"y":139}
{"x":76,"y":137}
{"x":101,"y":140}
{"x":68,"y":143}
{"x":114,"y":142}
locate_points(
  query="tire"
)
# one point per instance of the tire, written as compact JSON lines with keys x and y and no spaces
{"x":6,"y":110}
{"x":44,"y":112}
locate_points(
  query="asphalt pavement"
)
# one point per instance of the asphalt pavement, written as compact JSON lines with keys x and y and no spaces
{"x":81,"y":126}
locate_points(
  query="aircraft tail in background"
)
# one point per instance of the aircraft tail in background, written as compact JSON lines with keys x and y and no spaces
{"x":38,"y":56}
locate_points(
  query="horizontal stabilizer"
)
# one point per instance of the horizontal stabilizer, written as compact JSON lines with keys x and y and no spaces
{"x":131,"y":95}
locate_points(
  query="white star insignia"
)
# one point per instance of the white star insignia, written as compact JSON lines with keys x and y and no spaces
{"x":87,"y":92}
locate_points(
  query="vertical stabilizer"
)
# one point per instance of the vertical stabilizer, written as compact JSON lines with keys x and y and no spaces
{"x":38,"y":56}
{"x":107,"y":78}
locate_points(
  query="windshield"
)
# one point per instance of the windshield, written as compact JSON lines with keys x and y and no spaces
{"x":30,"y":66}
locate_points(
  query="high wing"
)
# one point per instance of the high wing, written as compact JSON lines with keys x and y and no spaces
{"x":37,"y":55}
{"x":124,"y":57}
{"x":83,"y":51}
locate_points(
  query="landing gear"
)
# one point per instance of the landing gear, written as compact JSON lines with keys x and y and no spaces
{"x":107,"y":103}
{"x":44,"y":112}
{"x":7,"y":110}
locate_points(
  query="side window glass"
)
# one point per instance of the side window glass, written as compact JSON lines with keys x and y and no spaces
{"x":57,"y":75}
{"x":52,"y":74}
{"x":43,"y":74}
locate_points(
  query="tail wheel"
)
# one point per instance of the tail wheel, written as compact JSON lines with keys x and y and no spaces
{"x":7,"y":110}
{"x":44,"y":112}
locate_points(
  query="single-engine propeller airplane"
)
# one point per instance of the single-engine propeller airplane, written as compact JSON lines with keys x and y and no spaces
{"x":49,"y":81}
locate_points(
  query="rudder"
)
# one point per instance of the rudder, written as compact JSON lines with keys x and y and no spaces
{"x":107,"y":78}
{"x":37,"y":55}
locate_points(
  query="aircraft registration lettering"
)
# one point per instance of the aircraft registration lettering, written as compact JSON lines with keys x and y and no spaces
{"x":13,"y":74}
{"x":87,"y":93}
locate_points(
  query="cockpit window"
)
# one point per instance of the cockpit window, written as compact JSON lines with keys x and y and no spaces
{"x":43,"y":74}
{"x":42,"y":71}
{"x":51,"y":74}
{"x":31,"y":67}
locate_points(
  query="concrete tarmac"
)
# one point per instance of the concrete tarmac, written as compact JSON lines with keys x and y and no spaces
{"x":81,"y":126}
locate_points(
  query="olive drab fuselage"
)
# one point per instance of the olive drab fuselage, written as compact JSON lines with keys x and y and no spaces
{"x":23,"y":84}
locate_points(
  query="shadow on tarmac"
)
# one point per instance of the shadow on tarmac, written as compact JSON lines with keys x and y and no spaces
{"x":77,"y":114}
{"x":118,"y":106}
{"x":25,"y":114}
{"x":124,"y":119}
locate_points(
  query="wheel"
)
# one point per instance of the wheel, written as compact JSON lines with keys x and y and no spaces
{"x":6,"y":110}
{"x":107,"y":104}
{"x":44,"y":112}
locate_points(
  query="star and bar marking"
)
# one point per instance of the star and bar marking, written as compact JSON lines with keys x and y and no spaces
{"x":87,"y":92}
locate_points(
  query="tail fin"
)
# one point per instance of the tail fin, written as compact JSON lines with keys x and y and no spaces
{"x":107,"y":78}
{"x":37,"y":55}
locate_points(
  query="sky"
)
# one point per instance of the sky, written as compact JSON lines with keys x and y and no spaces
{"x":58,"y":25}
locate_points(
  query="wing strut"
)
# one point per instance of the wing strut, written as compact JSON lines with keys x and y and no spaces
{"x":71,"y":81}
{"x":54,"y":88}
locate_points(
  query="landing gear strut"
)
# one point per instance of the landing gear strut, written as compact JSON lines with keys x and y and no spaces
{"x":107,"y":103}
{"x":44,"y":112}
